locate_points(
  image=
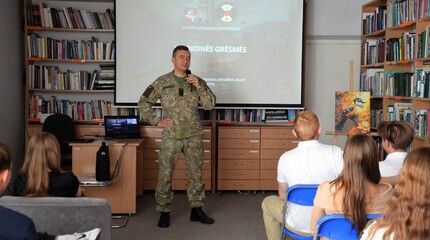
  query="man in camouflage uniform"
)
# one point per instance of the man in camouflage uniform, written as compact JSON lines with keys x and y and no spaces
{"x":180,"y":94}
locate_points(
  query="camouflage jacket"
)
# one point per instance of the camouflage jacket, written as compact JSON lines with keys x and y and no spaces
{"x":183,"y":110}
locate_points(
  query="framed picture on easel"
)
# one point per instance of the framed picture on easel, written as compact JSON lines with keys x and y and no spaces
{"x":352,"y":112}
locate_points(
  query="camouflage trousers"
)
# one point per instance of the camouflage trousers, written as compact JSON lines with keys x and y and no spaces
{"x":192,"y":148}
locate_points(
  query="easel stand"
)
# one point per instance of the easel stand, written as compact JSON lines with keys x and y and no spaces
{"x":351,"y":88}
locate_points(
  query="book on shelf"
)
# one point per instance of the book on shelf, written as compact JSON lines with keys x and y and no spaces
{"x":373,"y":81}
{"x":402,"y":112}
{"x":420,"y":123}
{"x":68,"y":17}
{"x":352,"y":112}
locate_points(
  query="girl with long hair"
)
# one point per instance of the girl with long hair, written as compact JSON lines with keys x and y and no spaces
{"x":41,"y":174}
{"x":407,"y":214}
{"x":356,"y":191}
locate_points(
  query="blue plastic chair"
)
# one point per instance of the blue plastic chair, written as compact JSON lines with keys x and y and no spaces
{"x":338,"y":227}
{"x":300,"y":194}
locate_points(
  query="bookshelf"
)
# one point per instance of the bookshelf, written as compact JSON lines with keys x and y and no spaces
{"x":395,"y":62}
{"x":67,"y":45}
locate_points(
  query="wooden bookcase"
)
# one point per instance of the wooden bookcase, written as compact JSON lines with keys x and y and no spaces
{"x":58,"y":66}
{"x":398,"y":48}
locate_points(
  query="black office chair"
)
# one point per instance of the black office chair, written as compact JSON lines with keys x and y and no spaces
{"x":63,"y":128}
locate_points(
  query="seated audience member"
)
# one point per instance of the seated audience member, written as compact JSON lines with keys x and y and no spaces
{"x":17,"y":226}
{"x":41,"y":173}
{"x":357,"y":190}
{"x":311,"y":162}
{"x":407,"y":214}
{"x":396,"y":138}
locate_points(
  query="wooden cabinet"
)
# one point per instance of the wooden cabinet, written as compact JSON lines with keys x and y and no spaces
{"x":238,"y":158}
{"x":248,"y":156}
{"x":274,"y":142}
{"x":151,"y":152}
{"x":121,"y":193}
{"x":394,"y":59}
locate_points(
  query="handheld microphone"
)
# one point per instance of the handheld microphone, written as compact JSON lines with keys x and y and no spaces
{"x":190,"y":85}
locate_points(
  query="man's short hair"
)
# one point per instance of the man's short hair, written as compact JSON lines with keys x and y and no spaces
{"x":399,"y":134}
{"x":179,"y":47}
{"x":306,"y":125}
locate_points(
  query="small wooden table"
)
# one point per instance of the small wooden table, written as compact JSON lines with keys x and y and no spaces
{"x":121,"y":193}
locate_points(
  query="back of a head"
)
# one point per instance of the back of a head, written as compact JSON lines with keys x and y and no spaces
{"x":415,"y":175}
{"x":306,"y":125}
{"x":5,"y":164}
{"x":406,"y":215}
{"x":43,"y":154}
{"x":360,"y":166}
{"x":361,"y":158}
{"x":399,"y":134}
{"x":5,"y":161}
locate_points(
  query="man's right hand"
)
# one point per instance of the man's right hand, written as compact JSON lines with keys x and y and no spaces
{"x":165,"y":123}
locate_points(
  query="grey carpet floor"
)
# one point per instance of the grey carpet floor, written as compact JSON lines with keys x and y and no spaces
{"x":237,"y":216}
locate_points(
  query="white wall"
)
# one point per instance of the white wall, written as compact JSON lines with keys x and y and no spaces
{"x":327,"y":71}
{"x":333,"y":40}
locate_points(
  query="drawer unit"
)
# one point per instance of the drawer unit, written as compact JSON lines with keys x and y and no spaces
{"x":238,"y":158}
{"x":274,"y":142}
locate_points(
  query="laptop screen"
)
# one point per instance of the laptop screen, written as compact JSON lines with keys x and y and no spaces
{"x":121,"y":126}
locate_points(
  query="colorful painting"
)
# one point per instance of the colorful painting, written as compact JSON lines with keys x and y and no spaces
{"x":352,"y":112}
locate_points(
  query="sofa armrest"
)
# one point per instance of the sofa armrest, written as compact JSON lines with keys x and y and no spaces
{"x":59,"y":215}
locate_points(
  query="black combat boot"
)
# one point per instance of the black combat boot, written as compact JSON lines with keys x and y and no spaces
{"x":197,"y":215}
{"x":164,"y":220}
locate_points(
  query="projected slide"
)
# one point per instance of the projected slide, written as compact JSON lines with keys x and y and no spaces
{"x":248,"y":51}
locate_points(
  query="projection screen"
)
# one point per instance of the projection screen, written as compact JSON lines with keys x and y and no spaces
{"x":250,"y":52}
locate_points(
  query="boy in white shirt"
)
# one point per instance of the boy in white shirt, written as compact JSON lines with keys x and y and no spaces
{"x":396,"y":137}
{"x":311,"y":162}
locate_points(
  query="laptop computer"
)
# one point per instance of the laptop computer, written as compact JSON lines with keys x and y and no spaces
{"x":121,"y":127}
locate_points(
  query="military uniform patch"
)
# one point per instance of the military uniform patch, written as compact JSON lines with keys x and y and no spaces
{"x":148,"y":91}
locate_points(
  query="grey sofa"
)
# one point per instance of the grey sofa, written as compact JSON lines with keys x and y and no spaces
{"x":57,"y":215}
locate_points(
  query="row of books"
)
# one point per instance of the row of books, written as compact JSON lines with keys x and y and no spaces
{"x":50,"y":77}
{"x":78,"y":110}
{"x":401,"y":48}
{"x":372,"y":80}
{"x":423,"y":48}
{"x":399,"y":83}
{"x":372,"y":51}
{"x":400,"y":112}
{"x":46,"y":47}
{"x":403,"y":112}
{"x":423,"y":8}
{"x":421,"y":122}
{"x":376,"y":117}
{"x":106,"y":78}
{"x":374,"y":21}
{"x":399,"y":12}
{"x":396,"y":82}
{"x":257,"y":115}
{"x":68,"y":17}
